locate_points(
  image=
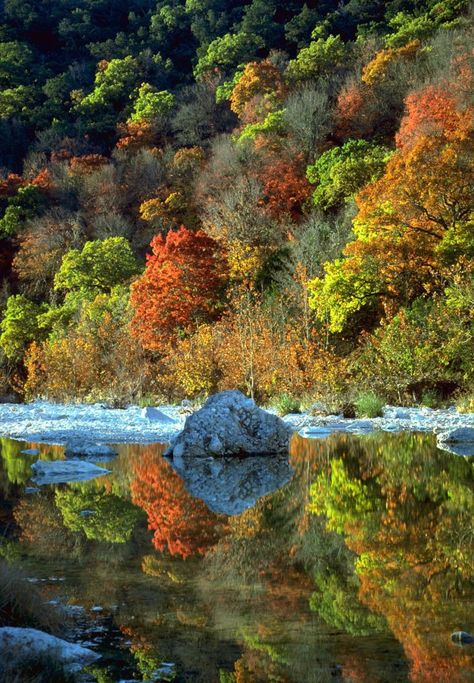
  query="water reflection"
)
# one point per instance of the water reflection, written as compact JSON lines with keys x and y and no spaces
{"x":359,"y":568}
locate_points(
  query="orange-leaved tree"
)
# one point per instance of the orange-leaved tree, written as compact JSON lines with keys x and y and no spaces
{"x":182,"y":286}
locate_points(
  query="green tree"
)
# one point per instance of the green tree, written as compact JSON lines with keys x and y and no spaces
{"x":19,"y":326}
{"x":25,"y":204}
{"x":322,"y":56}
{"x":225,"y":53}
{"x":152,"y":105}
{"x":100,"y":266}
{"x":342,"y":171}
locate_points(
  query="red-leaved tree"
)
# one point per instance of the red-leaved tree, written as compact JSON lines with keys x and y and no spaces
{"x":181,"y":287}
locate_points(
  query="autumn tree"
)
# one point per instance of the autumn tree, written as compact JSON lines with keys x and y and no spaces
{"x":181,"y":287}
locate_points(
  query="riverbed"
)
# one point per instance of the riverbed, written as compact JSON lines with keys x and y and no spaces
{"x":358,"y":566}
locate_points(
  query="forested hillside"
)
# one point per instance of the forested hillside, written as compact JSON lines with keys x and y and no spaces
{"x":206,"y":194}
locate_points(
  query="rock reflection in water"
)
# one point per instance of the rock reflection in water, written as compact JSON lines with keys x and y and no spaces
{"x":231,"y":485}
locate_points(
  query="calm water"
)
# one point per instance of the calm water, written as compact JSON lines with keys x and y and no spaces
{"x":358,"y":569}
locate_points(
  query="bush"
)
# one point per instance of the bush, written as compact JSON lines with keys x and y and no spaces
{"x":285,"y":403}
{"x":368,"y":404}
{"x":465,"y":404}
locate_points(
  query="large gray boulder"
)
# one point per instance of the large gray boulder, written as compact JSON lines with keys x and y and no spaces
{"x":22,"y":643}
{"x":229,"y":423}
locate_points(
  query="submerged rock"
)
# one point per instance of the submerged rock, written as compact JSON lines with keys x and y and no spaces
{"x":64,"y":471}
{"x":89,"y":449}
{"x":229,"y":423}
{"x":231,"y":485}
{"x":23,"y":643}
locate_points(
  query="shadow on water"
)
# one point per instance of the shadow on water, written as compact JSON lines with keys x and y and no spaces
{"x":355,"y":565}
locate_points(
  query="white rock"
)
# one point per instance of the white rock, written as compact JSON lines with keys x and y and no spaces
{"x":27,"y":642}
{"x":30,"y":451}
{"x":64,"y":471}
{"x":155,"y":415}
{"x":234,"y":425}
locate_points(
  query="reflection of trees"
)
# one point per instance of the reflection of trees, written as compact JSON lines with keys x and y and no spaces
{"x":181,"y":524}
{"x":406,"y":511}
{"x":100,"y":516}
{"x":40,"y":525}
{"x":18,"y":465}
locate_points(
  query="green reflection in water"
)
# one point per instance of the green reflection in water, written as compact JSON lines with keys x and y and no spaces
{"x":358,"y":568}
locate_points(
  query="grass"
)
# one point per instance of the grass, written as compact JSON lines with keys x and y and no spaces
{"x":368,"y":404}
{"x":34,"y":669}
{"x":22,"y":604}
{"x":285,"y":404}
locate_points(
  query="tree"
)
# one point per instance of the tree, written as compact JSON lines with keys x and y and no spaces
{"x":180,"y":288}
{"x":258,"y":91}
{"x":152,"y":105}
{"x":110,"y":518}
{"x":226,"y":52}
{"x":19,"y":326}
{"x":100,"y":266}
{"x":318,"y":59}
{"x":342,"y":171}
{"x":410,"y":222}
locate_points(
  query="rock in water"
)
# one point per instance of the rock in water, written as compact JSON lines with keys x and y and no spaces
{"x":89,"y":449}
{"x":64,"y":471}
{"x":23,"y":643}
{"x":229,"y":423}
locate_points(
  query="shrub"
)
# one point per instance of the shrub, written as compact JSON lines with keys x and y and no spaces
{"x":466,"y":404}
{"x":368,"y":404}
{"x":285,"y":403}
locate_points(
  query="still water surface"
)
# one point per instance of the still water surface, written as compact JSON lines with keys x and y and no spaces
{"x":358,"y":569}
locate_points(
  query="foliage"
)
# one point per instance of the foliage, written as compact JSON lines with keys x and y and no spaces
{"x":368,"y":404}
{"x":109,"y":518}
{"x":342,"y":171}
{"x":100,"y":266}
{"x":181,"y":524}
{"x":180,"y":288}
{"x":19,"y":325}
{"x":316,"y":60}
{"x":151,"y":105}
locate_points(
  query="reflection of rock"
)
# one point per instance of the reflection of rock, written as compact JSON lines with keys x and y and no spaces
{"x":457,"y":448}
{"x":89,"y":449}
{"x":232,"y":485}
{"x":458,"y":435}
{"x":459,"y":441}
{"x":64,"y":471}
{"x":24,"y":643}
{"x":462,"y":637}
{"x":231,"y":424}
